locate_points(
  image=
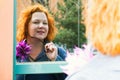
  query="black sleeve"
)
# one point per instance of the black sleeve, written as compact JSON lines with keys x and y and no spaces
{"x":60,"y":76}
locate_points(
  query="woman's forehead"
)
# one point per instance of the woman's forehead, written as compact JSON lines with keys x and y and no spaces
{"x":39,"y":16}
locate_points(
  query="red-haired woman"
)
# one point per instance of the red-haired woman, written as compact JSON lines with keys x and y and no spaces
{"x":36,"y":29}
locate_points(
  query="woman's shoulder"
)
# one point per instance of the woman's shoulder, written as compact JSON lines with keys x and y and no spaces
{"x":61,"y":49}
{"x":62,"y":52}
{"x":91,"y":71}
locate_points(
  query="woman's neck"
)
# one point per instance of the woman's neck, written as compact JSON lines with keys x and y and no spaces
{"x":37,"y":46}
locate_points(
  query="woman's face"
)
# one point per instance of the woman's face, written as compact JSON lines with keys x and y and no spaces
{"x":38,"y":26}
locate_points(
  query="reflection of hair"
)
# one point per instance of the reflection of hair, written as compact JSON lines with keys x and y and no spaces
{"x":102,"y":21}
{"x":25,"y":17}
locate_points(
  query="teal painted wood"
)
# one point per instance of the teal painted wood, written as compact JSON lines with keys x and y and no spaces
{"x":39,"y":67}
{"x":14,"y":39}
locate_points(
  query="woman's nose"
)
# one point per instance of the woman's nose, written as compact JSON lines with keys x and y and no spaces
{"x":40,"y":25}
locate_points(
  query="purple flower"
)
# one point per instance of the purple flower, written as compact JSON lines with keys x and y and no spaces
{"x":22,"y":50}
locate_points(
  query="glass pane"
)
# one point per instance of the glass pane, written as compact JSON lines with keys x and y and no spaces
{"x":35,"y":33}
{"x":71,"y":31}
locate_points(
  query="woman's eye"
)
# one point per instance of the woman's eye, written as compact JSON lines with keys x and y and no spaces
{"x":35,"y":22}
{"x":45,"y":23}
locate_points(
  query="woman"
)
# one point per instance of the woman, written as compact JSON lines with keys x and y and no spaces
{"x":102,"y":21}
{"x":35,"y":32}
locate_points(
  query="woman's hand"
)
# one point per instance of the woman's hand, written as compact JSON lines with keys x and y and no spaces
{"x":51,"y":51}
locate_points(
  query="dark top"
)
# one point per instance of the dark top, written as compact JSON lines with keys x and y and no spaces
{"x":43,"y":57}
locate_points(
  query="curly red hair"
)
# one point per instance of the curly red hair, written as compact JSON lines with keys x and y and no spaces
{"x":102,"y":21}
{"x":24,"y":19}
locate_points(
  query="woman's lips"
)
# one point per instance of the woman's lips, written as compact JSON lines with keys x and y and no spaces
{"x":40,"y":32}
